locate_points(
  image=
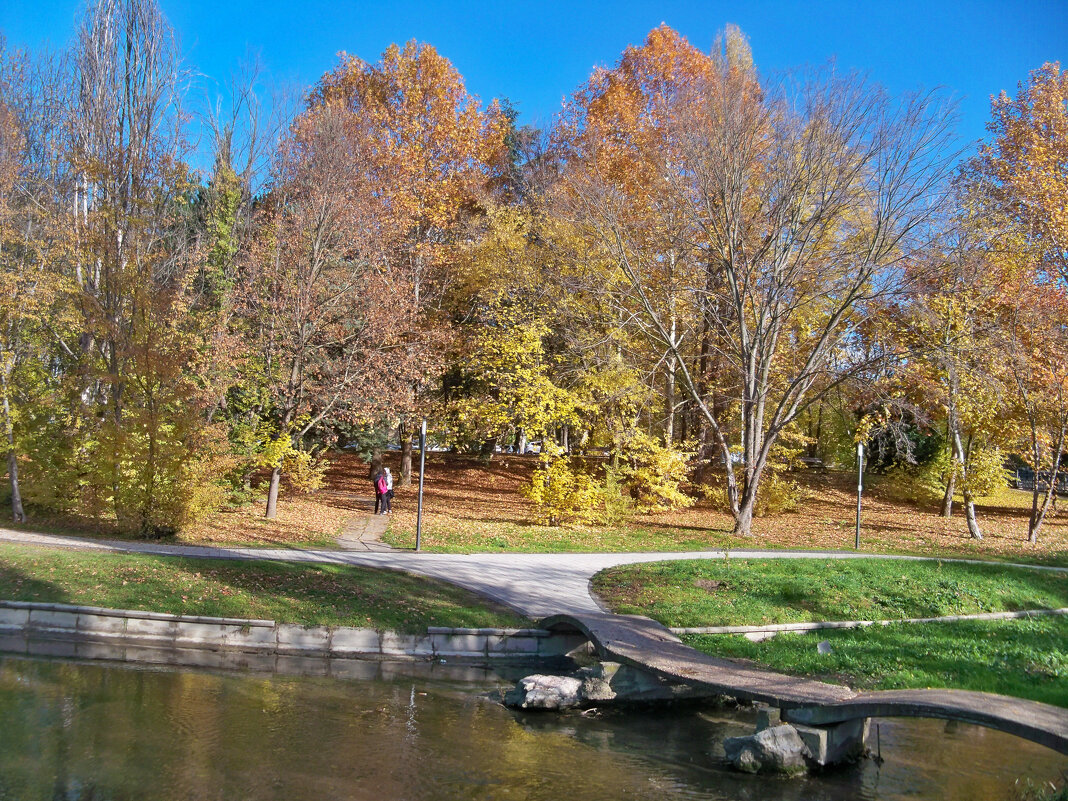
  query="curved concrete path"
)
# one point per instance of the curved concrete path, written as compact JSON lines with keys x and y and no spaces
{"x":534,"y":584}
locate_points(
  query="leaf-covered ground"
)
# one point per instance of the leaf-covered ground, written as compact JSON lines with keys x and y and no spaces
{"x":474,"y":507}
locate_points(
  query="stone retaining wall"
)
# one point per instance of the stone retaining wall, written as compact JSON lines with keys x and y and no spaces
{"x":22,"y":622}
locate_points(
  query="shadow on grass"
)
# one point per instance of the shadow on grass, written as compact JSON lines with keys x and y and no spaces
{"x":340,"y":594}
{"x":17,"y":585}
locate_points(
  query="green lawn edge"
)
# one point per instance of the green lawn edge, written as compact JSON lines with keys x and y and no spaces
{"x":543,"y":539}
{"x":307,"y":594}
{"x":1023,"y":658}
{"x":736,"y":592}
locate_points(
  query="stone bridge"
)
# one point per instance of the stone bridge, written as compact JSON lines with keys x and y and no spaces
{"x":646,"y":645}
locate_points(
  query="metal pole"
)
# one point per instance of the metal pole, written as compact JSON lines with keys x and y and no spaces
{"x":860,"y":489}
{"x":422,"y":469}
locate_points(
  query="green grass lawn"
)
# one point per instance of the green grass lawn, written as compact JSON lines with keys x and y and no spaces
{"x":445,"y":536}
{"x":308,"y":594}
{"x":1023,"y":658}
{"x":744,"y":592}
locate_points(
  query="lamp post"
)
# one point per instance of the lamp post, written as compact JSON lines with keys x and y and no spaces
{"x":860,"y":489}
{"x":422,"y":469}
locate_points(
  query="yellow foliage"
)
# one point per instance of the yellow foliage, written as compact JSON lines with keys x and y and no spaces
{"x":561,"y":494}
{"x":652,"y":473}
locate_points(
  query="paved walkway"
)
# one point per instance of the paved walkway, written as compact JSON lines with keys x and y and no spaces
{"x":536,"y":585}
{"x":556,"y":587}
{"x":364,"y":532}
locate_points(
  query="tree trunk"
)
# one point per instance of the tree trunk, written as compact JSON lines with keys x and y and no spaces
{"x":742,"y":507}
{"x":406,"y":455}
{"x":743,"y":520}
{"x":814,"y":446}
{"x":17,"y":512}
{"x":487,"y":449}
{"x":969,"y":507}
{"x":565,"y":435}
{"x":969,"y":514}
{"x":1038,"y":512}
{"x":947,"y":499}
{"x":669,"y":401}
{"x":272,"y":493}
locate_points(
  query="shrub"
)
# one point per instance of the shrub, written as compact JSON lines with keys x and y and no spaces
{"x":560,"y":493}
{"x":777,"y":494}
{"x":986,"y":473}
{"x":305,"y":471}
{"x":918,"y":486}
{"x":616,"y":507}
{"x":652,"y":473}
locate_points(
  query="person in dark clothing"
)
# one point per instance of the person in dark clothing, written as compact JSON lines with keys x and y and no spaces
{"x":387,"y":496}
{"x":382,"y":493}
{"x":374,"y":474}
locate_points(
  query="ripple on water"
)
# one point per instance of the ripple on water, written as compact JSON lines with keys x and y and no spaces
{"x":77,"y":731}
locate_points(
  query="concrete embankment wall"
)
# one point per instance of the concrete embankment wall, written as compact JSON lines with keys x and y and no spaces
{"x":136,"y":636}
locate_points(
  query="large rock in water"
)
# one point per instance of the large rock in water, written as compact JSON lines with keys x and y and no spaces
{"x":603,"y":683}
{"x":778,"y":749}
{"x":545,"y":692}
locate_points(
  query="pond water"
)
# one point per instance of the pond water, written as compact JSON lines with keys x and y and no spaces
{"x":78,"y":731}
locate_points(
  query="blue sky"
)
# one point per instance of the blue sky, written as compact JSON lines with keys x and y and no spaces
{"x":536,"y":53}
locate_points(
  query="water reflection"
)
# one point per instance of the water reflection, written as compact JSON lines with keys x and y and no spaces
{"x":76,"y":732}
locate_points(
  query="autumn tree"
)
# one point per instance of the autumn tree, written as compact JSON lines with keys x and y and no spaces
{"x":35,"y":315}
{"x":13,"y":283}
{"x":800,"y":200}
{"x":1024,"y":169}
{"x":620,"y":139}
{"x":323,"y":312}
{"x":432,"y":153}
{"x":502,"y":378}
{"x":1017,"y":184}
{"x":127,"y":152}
{"x":1037,"y":348}
{"x":953,"y":327}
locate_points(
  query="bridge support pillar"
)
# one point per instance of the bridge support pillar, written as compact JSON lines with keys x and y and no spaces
{"x":835,"y":743}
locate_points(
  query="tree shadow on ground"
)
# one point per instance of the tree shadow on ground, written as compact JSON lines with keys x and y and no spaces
{"x":17,"y":585}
